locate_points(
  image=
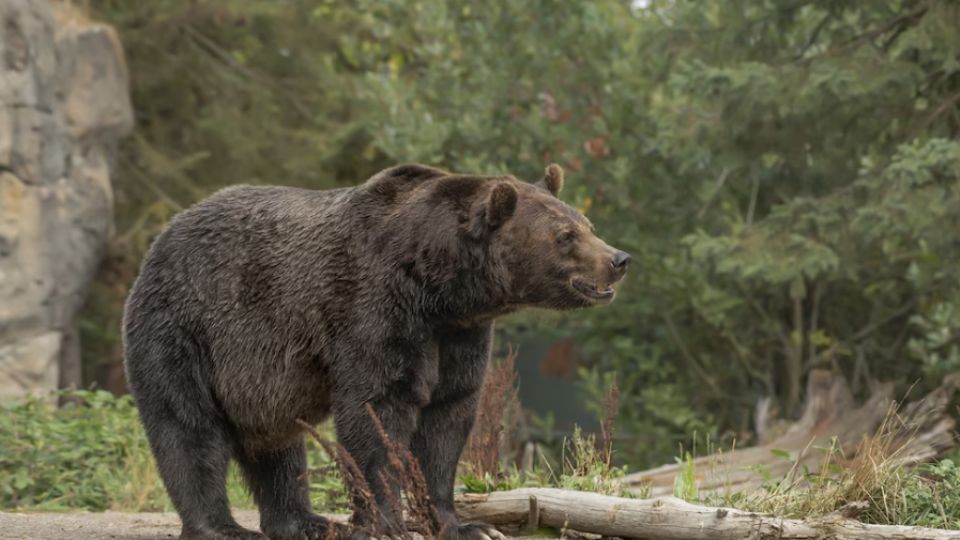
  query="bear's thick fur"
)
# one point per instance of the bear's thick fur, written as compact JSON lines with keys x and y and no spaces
{"x":260,"y":306}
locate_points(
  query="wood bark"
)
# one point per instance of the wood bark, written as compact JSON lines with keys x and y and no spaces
{"x":923,"y":430}
{"x":668,"y":518}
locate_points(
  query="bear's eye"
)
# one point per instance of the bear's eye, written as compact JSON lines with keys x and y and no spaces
{"x":566,"y":238}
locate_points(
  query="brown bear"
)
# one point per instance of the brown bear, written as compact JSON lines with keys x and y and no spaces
{"x":260,"y":306}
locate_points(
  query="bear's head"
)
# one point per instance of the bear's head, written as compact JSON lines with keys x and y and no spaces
{"x":550,"y":251}
{"x":480,"y":245}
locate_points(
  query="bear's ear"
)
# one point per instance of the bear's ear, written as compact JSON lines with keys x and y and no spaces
{"x":552,"y":179}
{"x":501,"y":204}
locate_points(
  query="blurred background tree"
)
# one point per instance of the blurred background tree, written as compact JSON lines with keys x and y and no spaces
{"x":785,"y":172}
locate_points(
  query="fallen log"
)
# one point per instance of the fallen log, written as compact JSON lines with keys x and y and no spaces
{"x":924,"y":430}
{"x":667,"y":518}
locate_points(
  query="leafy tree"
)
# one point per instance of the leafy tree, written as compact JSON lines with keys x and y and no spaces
{"x":817,"y":125}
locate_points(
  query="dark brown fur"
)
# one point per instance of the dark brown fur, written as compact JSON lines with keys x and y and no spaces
{"x":260,"y":306}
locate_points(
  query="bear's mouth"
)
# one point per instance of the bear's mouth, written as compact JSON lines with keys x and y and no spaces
{"x":596,"y":291}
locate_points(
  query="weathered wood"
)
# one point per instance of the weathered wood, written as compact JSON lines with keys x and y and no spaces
{"x":925,"y":430}
{"x":533,"y":514}
{"x":668,"y":518}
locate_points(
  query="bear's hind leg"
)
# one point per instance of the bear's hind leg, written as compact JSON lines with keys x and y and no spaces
{"x":193,"y":465}
{"x":279,"y":485}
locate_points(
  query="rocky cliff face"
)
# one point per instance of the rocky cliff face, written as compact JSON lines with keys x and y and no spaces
{"x":63,"y":106}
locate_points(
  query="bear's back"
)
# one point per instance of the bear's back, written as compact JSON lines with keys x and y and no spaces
{"x":238,"y":246}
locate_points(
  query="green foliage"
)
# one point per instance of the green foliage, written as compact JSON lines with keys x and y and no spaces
{"x":92,"y":454}
{"x":327,"y":493}
{"x":473,"y":483}
{"x":784,"y":173}
{"x":814,"y":226}
{"x":932,"y":497}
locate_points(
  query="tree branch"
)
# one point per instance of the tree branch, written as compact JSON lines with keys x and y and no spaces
{"x":688,"y":356}
{"x":813,"y":36}
{"x":895,"y":23}
{"x":873,"y":327}
{"x":947,"y":104}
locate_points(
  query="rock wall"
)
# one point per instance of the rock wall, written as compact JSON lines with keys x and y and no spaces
{"x":64,"y":104}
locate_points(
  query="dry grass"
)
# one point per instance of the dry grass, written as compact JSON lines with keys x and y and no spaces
{"x":585,"y":461}
{"x":608,"y":417}
{"x":143,"y":489}
{"x":586,"y":466}
{"x":358,"y":490}
{"x":405,"y":515}
{"x":497,"y":416}
{"x":405,"y":472}
{"x":870,"y":485}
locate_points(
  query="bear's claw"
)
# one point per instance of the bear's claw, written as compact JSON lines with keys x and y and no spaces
{"x":310,"y":527}
{"x":472,"y":531}
{"x":225,"y":533}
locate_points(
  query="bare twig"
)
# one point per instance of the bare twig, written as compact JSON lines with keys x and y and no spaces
{"x":361,"y":496}
{"x":754,"y":193}
{"x":608,"y":417}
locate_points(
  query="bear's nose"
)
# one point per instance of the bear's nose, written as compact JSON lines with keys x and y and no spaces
{"x":620,"y":260}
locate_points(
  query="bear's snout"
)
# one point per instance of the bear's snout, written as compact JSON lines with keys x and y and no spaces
{"x":620,"y":261}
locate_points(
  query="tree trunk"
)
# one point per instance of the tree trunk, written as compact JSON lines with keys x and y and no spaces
{"x":667,"y":518}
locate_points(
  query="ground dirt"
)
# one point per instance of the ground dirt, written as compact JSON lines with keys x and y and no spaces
{"x":107,"y":525}
{"x":100,"y":525}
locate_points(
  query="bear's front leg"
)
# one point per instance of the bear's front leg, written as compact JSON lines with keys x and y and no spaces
{"x":446,"y":423}
{"x":437,"y":445}
{"x":358,"y":434}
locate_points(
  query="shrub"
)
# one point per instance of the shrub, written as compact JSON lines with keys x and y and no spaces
{"x":92,"y":454}
{"x":932,"y":497}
